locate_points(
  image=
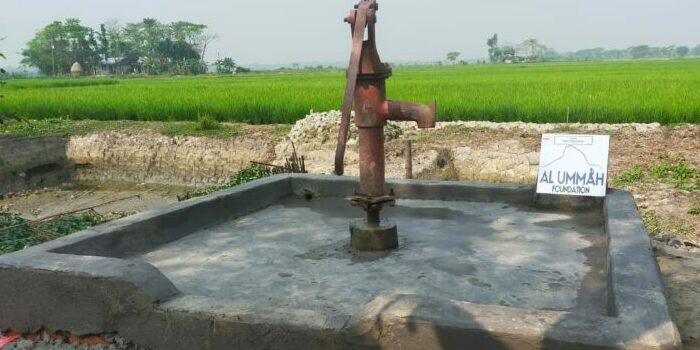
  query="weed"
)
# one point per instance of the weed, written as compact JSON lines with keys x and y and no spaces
{"x":631,"y":176}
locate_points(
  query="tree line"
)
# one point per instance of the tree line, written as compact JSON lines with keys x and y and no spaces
{"x":531,"y":50}
{"x":146,"y":47}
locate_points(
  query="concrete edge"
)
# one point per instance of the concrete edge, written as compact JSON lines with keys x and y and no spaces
{"x":54,"y":290}
{"x":341,"y":186}
{"x":636,"y":286}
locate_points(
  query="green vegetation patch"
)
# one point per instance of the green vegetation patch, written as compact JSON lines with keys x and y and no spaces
{"x":205,"y":126}
{"x":612,"y":92}
{"x":60,"y":127}
{"x":672,"y":169}
{"x":631,"y":176}
{"x":17,"y":233}
{"x":58,"y":83}
{"x":662,"y":227}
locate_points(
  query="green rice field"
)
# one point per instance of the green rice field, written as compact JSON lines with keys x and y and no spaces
{"x":612,"y":92}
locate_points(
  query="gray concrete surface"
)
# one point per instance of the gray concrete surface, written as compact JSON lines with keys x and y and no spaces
{"x":257,"y":266}
{"x":295,"y":254}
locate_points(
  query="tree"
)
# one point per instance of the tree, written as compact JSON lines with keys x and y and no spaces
{"x":507,"y":51}
{"x":204,"y":40}
{"x":58,"y":45}
{"x":641,"y":51}
{"x":225,"y":66}
{"x":104,"y":42}
{"x":452,"y":56}
{"x":696,"y":51}
{"x":533,"y":50}
{"x":148,"y":46}
{"x":494,"y":52}
{"x":682,"y":51}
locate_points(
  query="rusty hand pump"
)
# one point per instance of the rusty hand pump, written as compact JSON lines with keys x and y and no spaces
{"x":366,"y":87}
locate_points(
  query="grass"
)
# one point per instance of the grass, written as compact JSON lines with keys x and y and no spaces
{"x":59,"y":83}
{"x":205,"y":126}
{"x":632,"y":91}
{"x":61,"y":127}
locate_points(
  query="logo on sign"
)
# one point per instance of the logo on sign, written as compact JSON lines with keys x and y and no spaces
{"x":573,"y":165}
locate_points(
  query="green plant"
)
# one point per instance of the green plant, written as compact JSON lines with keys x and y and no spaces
{"x":252,"y":172}
{"x":635,"y":174}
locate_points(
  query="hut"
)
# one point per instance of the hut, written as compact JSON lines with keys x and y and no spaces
{"x":76,"y":69}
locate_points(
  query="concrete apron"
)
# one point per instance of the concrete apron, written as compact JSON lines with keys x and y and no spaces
{"x":265,"y":265}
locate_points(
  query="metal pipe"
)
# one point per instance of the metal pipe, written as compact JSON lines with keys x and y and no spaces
{"x":422,"y":114}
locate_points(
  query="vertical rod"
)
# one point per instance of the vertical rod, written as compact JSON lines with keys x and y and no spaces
{"x":373,"y":216}
{"x":408,"y":153}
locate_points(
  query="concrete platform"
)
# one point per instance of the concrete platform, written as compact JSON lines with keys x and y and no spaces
{"x":268,"y":265}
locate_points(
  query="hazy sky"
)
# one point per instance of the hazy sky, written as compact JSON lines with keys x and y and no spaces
{"x":285,"y":31}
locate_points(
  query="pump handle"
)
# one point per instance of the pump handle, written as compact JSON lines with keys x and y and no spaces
{"x":358,"y":20}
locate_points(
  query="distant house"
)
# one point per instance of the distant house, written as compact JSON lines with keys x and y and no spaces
{"x":114,"y":66}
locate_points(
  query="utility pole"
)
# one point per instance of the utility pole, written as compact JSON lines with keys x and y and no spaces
{"x":53,"y":60}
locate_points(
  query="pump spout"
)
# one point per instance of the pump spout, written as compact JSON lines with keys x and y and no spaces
{"x":422,"y":114}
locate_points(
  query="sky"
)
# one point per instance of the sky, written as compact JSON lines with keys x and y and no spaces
{"x":281,"y":32}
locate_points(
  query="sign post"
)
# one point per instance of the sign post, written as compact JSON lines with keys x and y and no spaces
{"x":575,"y":165}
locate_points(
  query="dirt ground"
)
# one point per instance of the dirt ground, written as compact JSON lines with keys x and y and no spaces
{"x":679,"y":261}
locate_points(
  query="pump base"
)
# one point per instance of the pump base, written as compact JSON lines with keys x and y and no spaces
{"x":373,"y":237}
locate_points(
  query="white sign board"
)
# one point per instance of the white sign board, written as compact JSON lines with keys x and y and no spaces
{"x":574,"y":165}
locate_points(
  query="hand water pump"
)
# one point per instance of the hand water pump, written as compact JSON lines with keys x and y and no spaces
{"x":366,"y":90}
